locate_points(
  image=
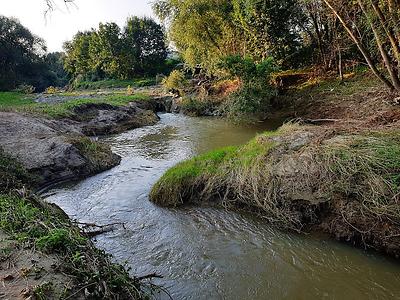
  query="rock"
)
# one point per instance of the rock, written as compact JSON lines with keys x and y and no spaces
{"x":44,"y":149}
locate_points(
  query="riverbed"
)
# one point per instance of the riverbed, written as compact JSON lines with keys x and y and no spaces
{"x":208,"y":253}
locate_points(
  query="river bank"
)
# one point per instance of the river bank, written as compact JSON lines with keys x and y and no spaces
{"x":44,"y":255}
{"x":339,"y":176}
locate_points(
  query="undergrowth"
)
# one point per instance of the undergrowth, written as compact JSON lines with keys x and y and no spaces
{"x":113,"y":83}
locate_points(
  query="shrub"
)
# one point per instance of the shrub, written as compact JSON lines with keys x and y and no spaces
{"x":51,"y":90}
{"x":255,"y":93}
{"x":197,"y":107}
{"x":175,"y":82}
{"x":57,"y":240}
{"x":25,"y":88}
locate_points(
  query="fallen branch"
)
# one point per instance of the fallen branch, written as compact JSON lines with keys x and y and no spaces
{"x":149,"y":276}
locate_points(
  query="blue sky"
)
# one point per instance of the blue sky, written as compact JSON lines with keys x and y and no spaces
{"x":63,"y":23}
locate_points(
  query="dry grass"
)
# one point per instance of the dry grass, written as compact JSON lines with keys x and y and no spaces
{"x":291,"y":175}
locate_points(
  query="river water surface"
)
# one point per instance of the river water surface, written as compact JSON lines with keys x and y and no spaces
{"x":207,"y":253}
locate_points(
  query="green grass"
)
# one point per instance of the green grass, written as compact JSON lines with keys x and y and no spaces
{"x":104,"y":84}
{"x":14,"y":99}
{"x":178,"y":183}
{"x":17,"y":102}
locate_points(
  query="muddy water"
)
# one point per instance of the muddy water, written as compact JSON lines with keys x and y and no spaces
{"x":206,"y":253}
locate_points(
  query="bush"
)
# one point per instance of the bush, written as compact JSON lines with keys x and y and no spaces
{"x":130,"y":91}
{"x":175,"y":82}
{"x":25,"y":88}
{"x":197,"y":107}
{"x":255,"y":93}
{"x":51,"y":90}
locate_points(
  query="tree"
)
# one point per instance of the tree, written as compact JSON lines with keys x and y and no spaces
{"x":144,"y":46}
{"x":381,"y":18}
{"x":271,"y":27}
{"x":203,"y":31}
{"x":105,"y":50}
{"x":108,"y":52}
{"x":22,"y":57}
{"x":77,"y":60}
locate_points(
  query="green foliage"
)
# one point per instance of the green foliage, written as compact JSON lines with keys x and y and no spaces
{"x":271,"y":27}
{"x":113,"y":83}
{"x":203,"y":31}
{"x":33,"y":223}
{"x":57,"y":240}
{"x":255,"y":93}
{"x":23,"y":59}
{"x":176,"y":82}
{"x":109,"y":52}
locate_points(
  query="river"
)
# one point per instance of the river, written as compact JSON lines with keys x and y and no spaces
{"x":208,"y":253}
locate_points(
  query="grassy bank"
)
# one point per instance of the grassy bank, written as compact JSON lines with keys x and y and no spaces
{"x":33,"y":228}
{"x":17,"y":102}
{"x":301,"y":178}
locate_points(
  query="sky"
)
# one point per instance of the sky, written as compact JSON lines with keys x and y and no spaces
{"x":61,"y":24}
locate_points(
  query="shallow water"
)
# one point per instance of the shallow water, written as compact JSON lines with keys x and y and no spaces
{"x":207,"y":253}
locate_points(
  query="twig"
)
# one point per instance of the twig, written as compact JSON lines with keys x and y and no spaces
{"x":153,"y":275}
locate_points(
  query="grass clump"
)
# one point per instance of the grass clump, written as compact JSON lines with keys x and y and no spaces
{"x":192,"y":180}
{"x":290,"y":176}
{"x":97,"y":153}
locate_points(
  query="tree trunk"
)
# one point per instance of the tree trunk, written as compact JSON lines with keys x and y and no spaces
{"x":385,"y":56}
{"x":340,"y":64}
{"x":388,"y":31}
{"x":360,"y":46}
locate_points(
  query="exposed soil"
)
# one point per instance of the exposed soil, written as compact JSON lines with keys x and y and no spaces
{"x":22,"y":271}
{"x":49,"y":148}
{"x":46,"y":149}
{"x":370,"y":107}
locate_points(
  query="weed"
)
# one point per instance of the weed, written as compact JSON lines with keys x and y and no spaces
{"x":41,"y":292}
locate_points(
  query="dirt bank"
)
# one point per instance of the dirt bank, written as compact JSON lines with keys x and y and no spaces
{"x":302,"y":178}
{"x":56,"y":150}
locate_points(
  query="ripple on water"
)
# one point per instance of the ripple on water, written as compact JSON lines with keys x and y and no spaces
{"x":205,"y":253}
